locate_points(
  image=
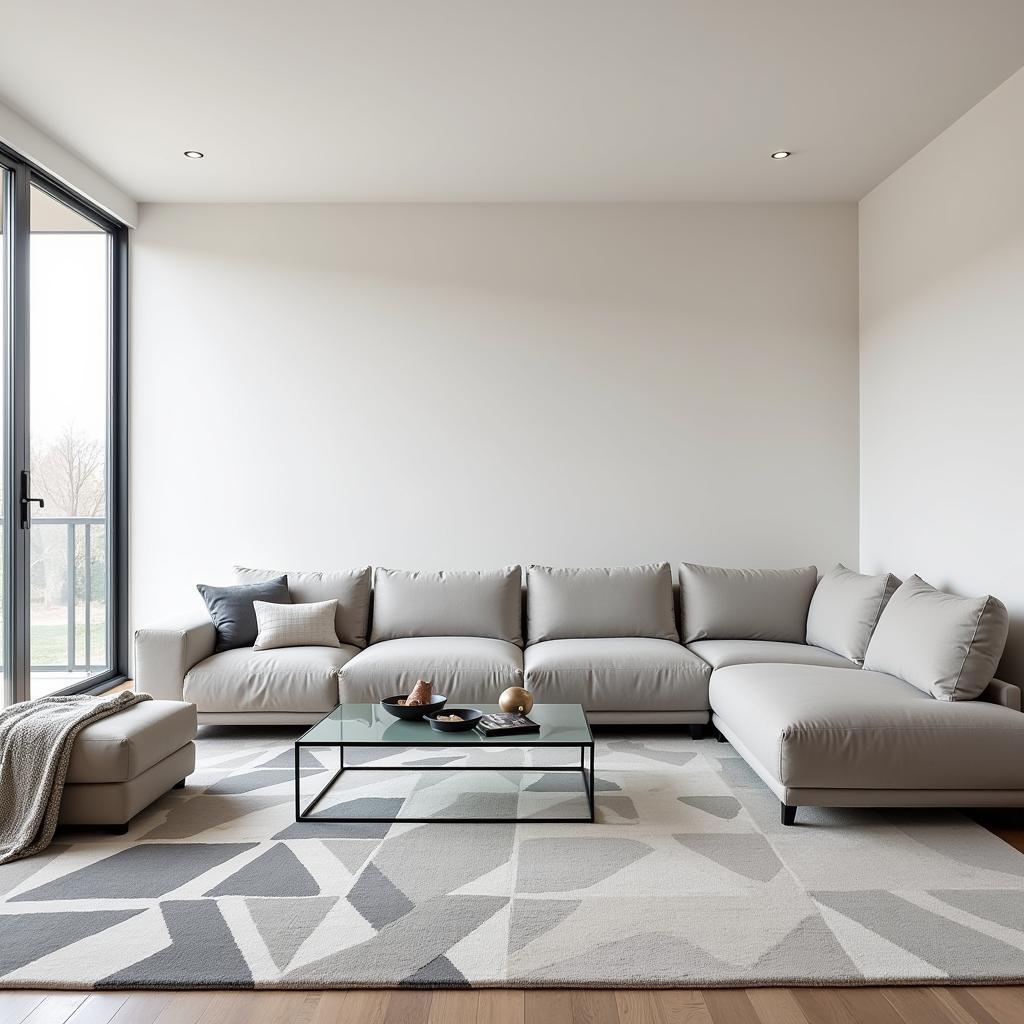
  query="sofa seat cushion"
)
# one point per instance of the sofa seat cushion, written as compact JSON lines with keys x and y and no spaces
{"x":723,"y":653}
{"x":466,"y":669}
{"x":123,"y":746}
{"x":618,"y":674}
{"x":300,"y":679}
{"x":833,"y":728}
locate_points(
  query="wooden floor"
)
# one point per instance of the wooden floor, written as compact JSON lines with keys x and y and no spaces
{"x":676,"y":1006}
{"x":918,"y":1005}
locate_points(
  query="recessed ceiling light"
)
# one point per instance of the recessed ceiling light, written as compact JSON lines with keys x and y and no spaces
{"x":193,"y":154}
{"x":780,"y":154}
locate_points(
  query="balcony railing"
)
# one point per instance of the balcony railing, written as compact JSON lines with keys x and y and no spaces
{"x":73,"y":576}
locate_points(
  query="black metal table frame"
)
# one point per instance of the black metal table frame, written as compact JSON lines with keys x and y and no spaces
{"x":586,"y":771}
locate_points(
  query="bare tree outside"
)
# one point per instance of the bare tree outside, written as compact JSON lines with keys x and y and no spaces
{"x":70,"y":472}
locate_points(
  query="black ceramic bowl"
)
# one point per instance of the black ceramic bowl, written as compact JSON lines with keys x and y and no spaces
{"x":392,"y":707}
{"x":469,"y":716}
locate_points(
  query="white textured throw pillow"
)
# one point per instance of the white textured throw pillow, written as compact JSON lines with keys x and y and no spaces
{"x":302,"y":625}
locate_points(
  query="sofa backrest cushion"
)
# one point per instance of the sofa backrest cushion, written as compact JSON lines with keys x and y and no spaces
{"x":745,"y":604}
{"x":947,"y":646}
{"x":845,"y":609}
{"x":444,"y":603}
{"x":349,"y":587}
{"x":626,"y":601}
{"x":231,"y":609}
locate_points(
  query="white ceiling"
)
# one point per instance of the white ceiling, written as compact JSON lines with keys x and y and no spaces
{"x":502,"y":100}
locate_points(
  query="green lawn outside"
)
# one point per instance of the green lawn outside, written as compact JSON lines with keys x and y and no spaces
{"x":49,"y":642}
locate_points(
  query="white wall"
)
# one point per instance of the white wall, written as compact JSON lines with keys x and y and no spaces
{"x":942,"y":363}
{"x":453,"y":386}
{"x":29,"y":142}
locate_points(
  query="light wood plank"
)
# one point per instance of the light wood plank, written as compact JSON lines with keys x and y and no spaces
{"x":1006,"y":1004}
{"x":547,"y":1006}
{"x":682,"y":1006}
{"x":287,"y":1007}
{"x":824,"y":1006}
{"x":407,"y":1006}
{"x":17,"y":1004}
{"x":870,"y":1005}
{"x":730,"y":1006}
{"x":637,"y":1006}
{"x":363,"y":1006}
{"x":893,"y":1005}
{"x":501,"y":1006}
{"x":331,"y":1008}
{"x":594,"y":1006}
{"x":146,"y":1007}
{"x":99,"y":1008}
{"x":962,"y":1006}
{"x":182,"y":1008}
{"x":919,"y":1006}
{"x":234,"y":1007}
{"x":776,"y":1006}
{"x":454,"y":1006}
{"x":55,"y":1009}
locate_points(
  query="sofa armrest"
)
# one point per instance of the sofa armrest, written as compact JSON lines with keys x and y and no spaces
{"x":165,"y":653}
{"x":998,"y":692}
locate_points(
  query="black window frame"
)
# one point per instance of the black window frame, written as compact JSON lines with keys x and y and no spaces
{"x":22,"y":175}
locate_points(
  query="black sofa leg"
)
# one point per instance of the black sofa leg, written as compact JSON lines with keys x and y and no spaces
{"x":180,"y":785}
{"x":118,"y":830}
{"x":788,"y":814}
{"x":720,"y":737}
{"x":696,"y":732}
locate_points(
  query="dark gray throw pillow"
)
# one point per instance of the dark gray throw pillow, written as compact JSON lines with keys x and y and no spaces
{"x":232,"y":613}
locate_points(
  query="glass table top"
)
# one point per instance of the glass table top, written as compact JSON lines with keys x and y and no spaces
{"x":560,"y":724}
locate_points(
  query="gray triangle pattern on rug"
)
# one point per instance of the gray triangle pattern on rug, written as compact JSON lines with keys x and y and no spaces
{"x":747,"y":855}
{"x":284,"y":924}
{"x":27,"y":937}
{"x":362,"y":807}
{"x":140,"y":872}
{"x":724,"y":807}
{"x":407,"y":945}
{"x":679,"y":758}
{"x":439,"y":973}
{"x":13,"y":873}
{"x":209,"y":811}
{"x":810,"y":951}
{"x":378,"y":899}
{"x":532,"y":918}
{"x":202,"y":954}
{"x":286,"y":759}
{"x":259,"y":779}
{"x":352,"y":853}
{"x":278,"y":872}
{"x":947,"y":945}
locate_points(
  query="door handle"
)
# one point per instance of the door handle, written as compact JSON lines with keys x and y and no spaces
{"x":27,"y":501}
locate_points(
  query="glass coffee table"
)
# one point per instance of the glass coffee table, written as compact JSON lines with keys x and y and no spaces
{"x":369,"y":725}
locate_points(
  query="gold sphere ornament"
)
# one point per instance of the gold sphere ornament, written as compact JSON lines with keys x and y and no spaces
{"x":515,"y":698}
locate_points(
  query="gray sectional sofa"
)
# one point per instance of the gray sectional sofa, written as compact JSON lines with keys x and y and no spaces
{"x":848,"y":690}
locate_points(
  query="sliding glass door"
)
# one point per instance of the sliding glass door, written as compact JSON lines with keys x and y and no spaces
{"x":5,"y":513}
{"x":63,"y":449}
{"x":69,"y":277}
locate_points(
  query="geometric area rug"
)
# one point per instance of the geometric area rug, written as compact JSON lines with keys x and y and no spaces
{"x":687,"y":879}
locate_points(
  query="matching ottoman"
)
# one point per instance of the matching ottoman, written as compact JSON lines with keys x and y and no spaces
{"x":121,"y":764}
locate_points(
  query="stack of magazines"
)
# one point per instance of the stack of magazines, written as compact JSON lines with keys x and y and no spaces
{"x":506,"y":724}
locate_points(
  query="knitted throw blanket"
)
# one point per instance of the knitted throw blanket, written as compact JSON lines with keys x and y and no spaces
{"x":36,"y":738}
